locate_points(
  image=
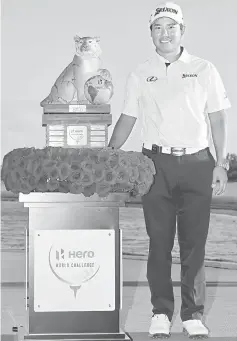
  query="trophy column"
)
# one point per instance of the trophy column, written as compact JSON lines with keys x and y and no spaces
{"x":74,"y":254}
{"x":74,"y":266}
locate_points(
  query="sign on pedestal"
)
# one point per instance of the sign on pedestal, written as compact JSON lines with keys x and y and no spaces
{"x":74,"y":270}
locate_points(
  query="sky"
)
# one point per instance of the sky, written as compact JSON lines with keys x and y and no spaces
{"x":37,"y":44}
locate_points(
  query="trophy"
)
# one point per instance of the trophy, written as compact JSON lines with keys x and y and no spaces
{"x":77,"y":110}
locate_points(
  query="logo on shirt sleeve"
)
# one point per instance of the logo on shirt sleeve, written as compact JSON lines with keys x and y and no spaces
{"x":152,"y":79}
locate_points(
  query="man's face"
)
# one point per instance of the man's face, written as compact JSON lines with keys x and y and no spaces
{"x":166,"y":34}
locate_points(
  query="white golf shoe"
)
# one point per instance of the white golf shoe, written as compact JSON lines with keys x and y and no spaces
{"x":195,"y":329}
{"x":160,"y":326}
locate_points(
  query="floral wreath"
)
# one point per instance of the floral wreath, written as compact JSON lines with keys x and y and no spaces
{"x":79,"y":171}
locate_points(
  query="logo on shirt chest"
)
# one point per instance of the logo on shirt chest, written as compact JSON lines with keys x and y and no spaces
{"x":185,"y":75}
{"x":152,"y":79}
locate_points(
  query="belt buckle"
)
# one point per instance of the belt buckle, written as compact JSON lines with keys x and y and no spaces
{"x":154,"y":149}
{"x":178,"y":151}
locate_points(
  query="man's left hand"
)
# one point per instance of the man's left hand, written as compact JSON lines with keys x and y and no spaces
{"x":219,"y":180}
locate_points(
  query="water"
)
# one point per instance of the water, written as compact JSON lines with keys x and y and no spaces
{"x":221,"y":244}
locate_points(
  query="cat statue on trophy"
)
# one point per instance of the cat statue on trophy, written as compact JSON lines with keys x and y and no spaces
{"x":83,"y":80}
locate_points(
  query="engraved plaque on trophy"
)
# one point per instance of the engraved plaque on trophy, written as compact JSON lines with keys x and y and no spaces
{"x":77,"y":135}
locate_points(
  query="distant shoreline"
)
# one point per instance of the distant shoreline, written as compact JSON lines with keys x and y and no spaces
{"x":224,"y":203}
{"x":223,"y":210}
{"x":141,"y":258}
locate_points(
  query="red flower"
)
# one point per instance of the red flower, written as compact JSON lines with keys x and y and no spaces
{"x":38,"y":171}
{"x":103,"y":156}
{"x":93,"y":156}
{"x":25,"y":187}
{"x":11,"y":183}
{"x":42,"y":184}
{"x":64,"y":171}
{"x":94,"y":159}
{"x":123,"y":160}
{"x":64,"y":154}
{"x":75,"y":188}
{"x":113,"y":161}
{"x":63,"y":187}
{"x":11,"y":160}
{"x":88,"y":191}
{"x":92,"y":152}
{"x":150,"y":164}
{"x":149,"y":179}
{"x":110,"y":177}
{"x":27,"y":152}
{"x":75,"y":176}
{"x":133,"y":174}
{"x":142,"y":175}
{"x":143,"y":189}
{"x":75,"y":166}
{"x":41,"y":153}
{"x":121,"y":187}
{"x":98,"y":172}
{"x":87,"y":165}
{"x":76,"y":158}
{"x":135,"y":191}
{"x":53,"y":173}
{"x":31,"y":165}
{"x":84,"y":152}
{"x":133,"y":158}
{"x":86,"y":178}
{"x":121,"y":175}
{"x":33,"y":181}
{"x":52,"y":185}
{"x":48,"y":164}
{"x":53,"y":153}
{"x":103,"y":189}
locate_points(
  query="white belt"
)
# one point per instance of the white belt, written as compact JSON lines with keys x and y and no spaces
{"x":174,"y":150}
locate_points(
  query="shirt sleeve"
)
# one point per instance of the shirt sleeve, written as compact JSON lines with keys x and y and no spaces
{"x":217,"y":98}
{"x":131,"y":98}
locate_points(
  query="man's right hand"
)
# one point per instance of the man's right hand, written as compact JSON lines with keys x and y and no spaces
{"x":122,"y":130}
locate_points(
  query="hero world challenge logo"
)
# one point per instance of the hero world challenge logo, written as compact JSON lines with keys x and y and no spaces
{"x":73,"y":267}
{"x":76,"y":134}
{"x":74,"y":254}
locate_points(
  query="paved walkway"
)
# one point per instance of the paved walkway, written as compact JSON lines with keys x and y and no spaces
{"x":221,"y":307}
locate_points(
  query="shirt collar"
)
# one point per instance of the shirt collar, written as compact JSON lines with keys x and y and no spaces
{"x":185,"y":57}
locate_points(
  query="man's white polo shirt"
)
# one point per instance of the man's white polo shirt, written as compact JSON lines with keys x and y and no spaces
{"x":173,"y":102}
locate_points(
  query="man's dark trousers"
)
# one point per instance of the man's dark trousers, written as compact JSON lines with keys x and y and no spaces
{"x":181,"y":190}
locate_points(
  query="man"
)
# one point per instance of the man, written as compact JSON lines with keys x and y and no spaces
{"x":174,"y":94}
